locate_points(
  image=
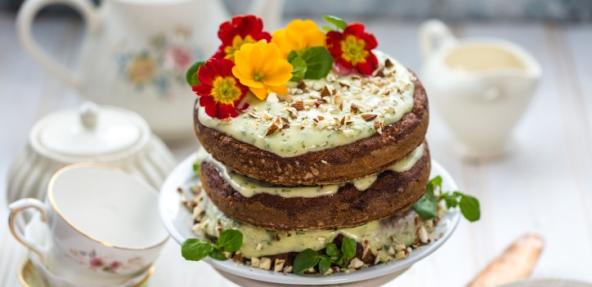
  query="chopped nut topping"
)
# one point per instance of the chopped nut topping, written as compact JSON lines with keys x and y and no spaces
{"x":279,"y":265}
{"x":285,"y":97}
{"x":301,"y":85}
{"x":368,"y":117}
{"x":298,"y":105}
{"x":265,"y":263}
{"x":253,"y":114}
{"x":325,"y":92}
{"x":356,"y":263}
{"x":354,"y":109}
{"x":388,"y":63}
{"x":378,"y":126}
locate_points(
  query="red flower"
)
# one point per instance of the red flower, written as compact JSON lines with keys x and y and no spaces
{"x":238,"y":31}
{"x":220,"y":93}
{"x":352,"y":48}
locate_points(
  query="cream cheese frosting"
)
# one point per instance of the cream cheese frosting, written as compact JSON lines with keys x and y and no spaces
{"x":248,"y":187}
{"x":322,"y":114}
{"x":378,"y":235}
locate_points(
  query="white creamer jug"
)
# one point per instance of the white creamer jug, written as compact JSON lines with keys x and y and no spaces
{"x":481,"y":86}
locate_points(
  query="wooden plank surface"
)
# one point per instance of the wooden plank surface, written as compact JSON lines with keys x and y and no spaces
{"x":542,"y":186}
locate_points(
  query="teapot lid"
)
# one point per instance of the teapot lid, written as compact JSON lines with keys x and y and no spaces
{"x":90,"y":133}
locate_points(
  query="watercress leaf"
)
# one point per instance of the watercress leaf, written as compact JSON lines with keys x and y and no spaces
{"x":191,"y":75}
{"x":230,"y":240}
{"x":348,"y":248}
{"x":298,"y":69}
{"x":426,"y":207}
{"x":304,"y":260}
{"x":469,"y":207}
{"x":292,"y":55}
{"x":319,"y":62}
{"x":324,"y":264}
{"x":195,"y":249}
{"x":451,"y":200}
{"x":196,"y":168}
{"x":218,"y":254}
{"x":332,"y":250}
{"x":336,"y":21}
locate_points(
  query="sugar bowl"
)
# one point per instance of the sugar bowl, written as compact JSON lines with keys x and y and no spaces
{"x":91,"y":133}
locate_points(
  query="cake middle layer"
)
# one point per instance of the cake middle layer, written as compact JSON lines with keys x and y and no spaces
{"x":351,"y":203}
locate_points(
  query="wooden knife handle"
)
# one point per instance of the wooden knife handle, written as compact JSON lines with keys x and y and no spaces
{"x":515,"y":263}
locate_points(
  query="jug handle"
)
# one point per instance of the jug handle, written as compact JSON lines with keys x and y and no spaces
{"x":24,"y":22}
{"x":433,"y":35}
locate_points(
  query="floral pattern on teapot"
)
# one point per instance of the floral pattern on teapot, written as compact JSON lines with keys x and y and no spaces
{"x":161,"y":63}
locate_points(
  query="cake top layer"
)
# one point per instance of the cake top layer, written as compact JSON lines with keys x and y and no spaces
{"x":325,"y":113}
{"x":300,"y":89}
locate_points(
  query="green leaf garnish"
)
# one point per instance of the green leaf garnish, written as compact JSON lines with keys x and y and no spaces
{"x":332,"y":250}
{"x":427,"y":206}
{"x":469,"y":207}
{"x":319,"y":62}
{"x":305,"y":260}
{"x":195,"y":249}
{"x":311,"y":63}
{"x":348,"y":248}
{"x":230,"y":240}
{"x":191,"y":75}
{"x":339,"y":23}
{"x":196,"y":167}
{"x":324,"y":264}
{"x":298,"y":69}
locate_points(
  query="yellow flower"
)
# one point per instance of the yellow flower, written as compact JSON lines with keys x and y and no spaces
{"x":297,"y":35}
{"x":262,"y":68}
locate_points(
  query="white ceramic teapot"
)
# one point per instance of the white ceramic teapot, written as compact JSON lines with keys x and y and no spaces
{"x":136,"y":53}
{"x":481,"y":86}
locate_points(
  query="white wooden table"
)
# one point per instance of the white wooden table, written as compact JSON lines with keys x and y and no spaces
{"x":543,"y":186}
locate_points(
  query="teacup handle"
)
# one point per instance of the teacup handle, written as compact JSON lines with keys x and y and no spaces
{"x":433,"y":35}
{"x":16,"y":208}
{"x":24,"y":21}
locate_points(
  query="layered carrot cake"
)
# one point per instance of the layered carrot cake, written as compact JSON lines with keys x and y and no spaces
{"x":313,"y":155}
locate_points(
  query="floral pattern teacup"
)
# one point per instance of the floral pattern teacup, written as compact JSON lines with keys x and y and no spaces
{"x":101,"y":226}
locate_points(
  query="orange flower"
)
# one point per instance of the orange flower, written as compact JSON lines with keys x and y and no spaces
{"x":298,"y":35}
{"x":262,"y":68}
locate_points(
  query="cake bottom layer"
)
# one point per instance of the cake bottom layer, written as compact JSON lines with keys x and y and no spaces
{"x":378,"y":240}
{"x":388,"y":193}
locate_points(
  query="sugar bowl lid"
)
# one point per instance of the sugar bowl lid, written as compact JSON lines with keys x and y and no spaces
{"x":90,"y":133}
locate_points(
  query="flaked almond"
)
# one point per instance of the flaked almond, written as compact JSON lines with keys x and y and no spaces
{"x":337,"y":99}
{"x":378,"y":126}
{"x":388,"y":63}
{"x":343,"y":85}
{"x":284,"y":98}
{"x":368,"y":117}
{"x":379,"y":73}
{"x":253,"y":114}
{"x":301,"y":85}
{"x":274,"y":127}
{"x":325,"y":92}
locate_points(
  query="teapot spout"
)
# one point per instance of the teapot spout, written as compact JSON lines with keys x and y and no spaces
{"x":269,"y":10}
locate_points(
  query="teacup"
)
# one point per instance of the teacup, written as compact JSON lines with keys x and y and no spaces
{"x":103,"y":228}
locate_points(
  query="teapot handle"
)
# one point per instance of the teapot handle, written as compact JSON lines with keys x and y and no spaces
{"x":24,"y":22}
{"x":433,"y":35}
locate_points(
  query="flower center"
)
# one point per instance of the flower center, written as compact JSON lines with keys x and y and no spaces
{"x":225,"y":90}
{"x":237,"y":42}
{"x":353,"y":50}
{"x":258,"y":76}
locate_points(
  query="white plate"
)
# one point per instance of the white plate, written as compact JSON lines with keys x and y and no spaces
{"x":177,"y":220}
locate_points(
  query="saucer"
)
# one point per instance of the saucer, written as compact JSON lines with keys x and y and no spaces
{"x":34,"y":274}
{"x":178,"y":221}
{"x":29,"y":276}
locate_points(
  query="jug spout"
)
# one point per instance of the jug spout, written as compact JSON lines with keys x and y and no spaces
{"x":433,"y":36}
{"x":269,"y":10}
